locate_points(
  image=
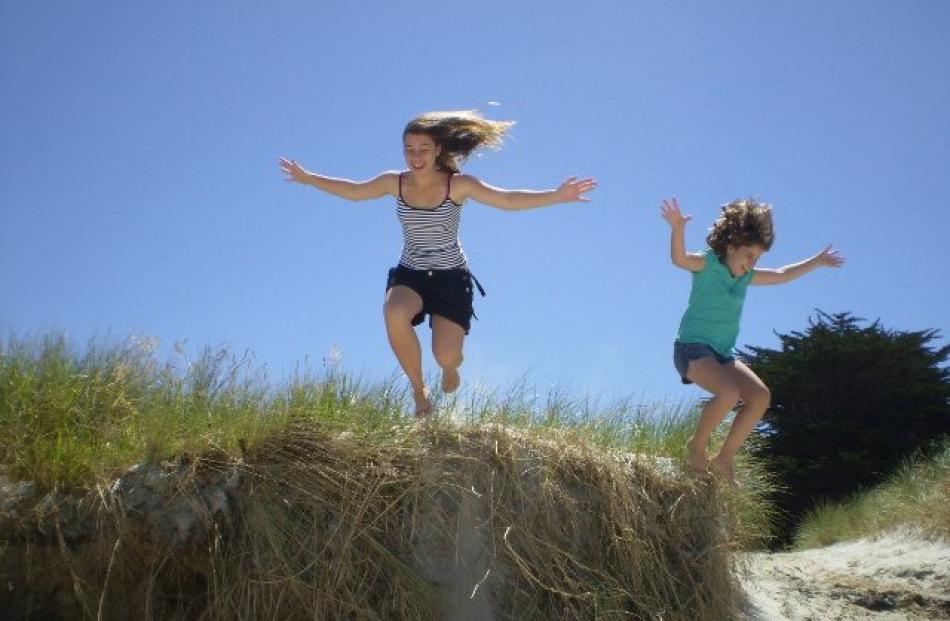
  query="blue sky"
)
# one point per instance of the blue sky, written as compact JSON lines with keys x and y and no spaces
{"x":140,"y":193}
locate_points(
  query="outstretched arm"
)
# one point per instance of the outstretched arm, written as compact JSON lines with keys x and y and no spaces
{"x":827,"y":257}
{"x":686,"y":260}
{"x":572,"y":190}
{"x":380,"y":185}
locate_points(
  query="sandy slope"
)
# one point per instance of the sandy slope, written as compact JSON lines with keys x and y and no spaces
{"x":896,"y":576}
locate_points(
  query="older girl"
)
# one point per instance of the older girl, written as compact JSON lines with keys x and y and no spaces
{"x":432,"y":276}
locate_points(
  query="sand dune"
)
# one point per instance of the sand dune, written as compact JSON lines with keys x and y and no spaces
{"x":900,"y":575}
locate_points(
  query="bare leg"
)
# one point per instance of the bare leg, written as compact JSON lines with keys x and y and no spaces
{"x":755,"y":400}
{"x":447,"y":340}
{"x":402,"y":304}
{"x":718,"y":379}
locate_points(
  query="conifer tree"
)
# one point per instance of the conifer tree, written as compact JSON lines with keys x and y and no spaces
{"x":850,"y":403}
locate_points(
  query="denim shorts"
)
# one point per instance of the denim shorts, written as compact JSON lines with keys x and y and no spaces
{"x":684,"y":352}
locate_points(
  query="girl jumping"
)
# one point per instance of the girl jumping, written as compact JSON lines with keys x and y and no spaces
{"x":703,"y":351}
{"x":432,"y":276}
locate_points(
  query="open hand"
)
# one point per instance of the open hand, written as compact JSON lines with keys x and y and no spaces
{"x":829,"y":257}
{"x":672,"y":214}
{"x":574,"y":189}
{"x":295,"y":172}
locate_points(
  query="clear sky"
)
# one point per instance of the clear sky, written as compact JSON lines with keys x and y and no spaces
{"x":140,"y":192}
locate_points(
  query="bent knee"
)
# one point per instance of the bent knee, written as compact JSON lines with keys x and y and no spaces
{"x":728,"y":394}
{"x":761,"y":396}
{"x":448,"y":358}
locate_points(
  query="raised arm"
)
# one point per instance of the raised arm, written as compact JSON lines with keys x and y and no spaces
{"x":380,"y":185}
{"x":686,"y":260}
{"x":572,"y":190}
{"x":827,"y":258}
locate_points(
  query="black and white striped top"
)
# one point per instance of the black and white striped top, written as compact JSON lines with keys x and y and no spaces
{"x":431,"y":235}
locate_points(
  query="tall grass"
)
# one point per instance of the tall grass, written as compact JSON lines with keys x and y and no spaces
{"x":917,"y":496}
{"x":334,"y":461}
{"x":71,"y":418}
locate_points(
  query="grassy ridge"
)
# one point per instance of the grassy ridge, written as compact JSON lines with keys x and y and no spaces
{"x":70,"y":419}
{"x":343,"y":504}
{"x":917,"y":496}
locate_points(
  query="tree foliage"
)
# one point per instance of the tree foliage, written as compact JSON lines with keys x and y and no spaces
{"x":850,"y":403}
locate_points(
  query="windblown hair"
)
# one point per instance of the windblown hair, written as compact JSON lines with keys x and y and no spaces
{"x":458,"y":133}
{"x":744,"y":222}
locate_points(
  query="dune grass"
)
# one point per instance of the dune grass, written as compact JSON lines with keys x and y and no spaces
{"x":917,"y":496}
{"x":71,"y":418}
{"x":576,"y":503}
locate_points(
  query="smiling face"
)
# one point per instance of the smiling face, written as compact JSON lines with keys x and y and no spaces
{"x":742,"y":259}
{"x":421,"y":152}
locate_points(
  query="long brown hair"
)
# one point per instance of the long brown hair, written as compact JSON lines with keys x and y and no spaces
{"x":744,"y":222}
{"x":458,"y":133}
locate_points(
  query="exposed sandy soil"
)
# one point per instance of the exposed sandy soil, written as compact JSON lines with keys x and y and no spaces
{"x":897,"y":576}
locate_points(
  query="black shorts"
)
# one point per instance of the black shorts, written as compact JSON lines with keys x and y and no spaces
{"x":444,"y":292}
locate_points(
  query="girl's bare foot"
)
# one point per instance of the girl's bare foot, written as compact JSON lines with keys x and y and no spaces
{"x":723,"y":469}
{"x":696,"y":457}
{"x":450,"y":380}
{"x":423,"y":404}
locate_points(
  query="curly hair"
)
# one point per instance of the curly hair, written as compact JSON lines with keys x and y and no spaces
{"x":458,"y":133}
{"x":744,"y":222}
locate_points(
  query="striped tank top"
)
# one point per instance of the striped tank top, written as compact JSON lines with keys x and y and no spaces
{"x":431,"y":236}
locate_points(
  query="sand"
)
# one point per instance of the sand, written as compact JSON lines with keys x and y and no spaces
{"x":900,"y":575}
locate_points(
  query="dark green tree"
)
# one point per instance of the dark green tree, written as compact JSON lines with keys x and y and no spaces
{"x":849,"y":404}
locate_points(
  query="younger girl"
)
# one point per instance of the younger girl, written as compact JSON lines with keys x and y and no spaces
{"x":703,"y":351}
{"x":432,"y":277}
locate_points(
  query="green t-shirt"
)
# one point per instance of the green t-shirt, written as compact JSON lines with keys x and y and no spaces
{"x":715,"y":306}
